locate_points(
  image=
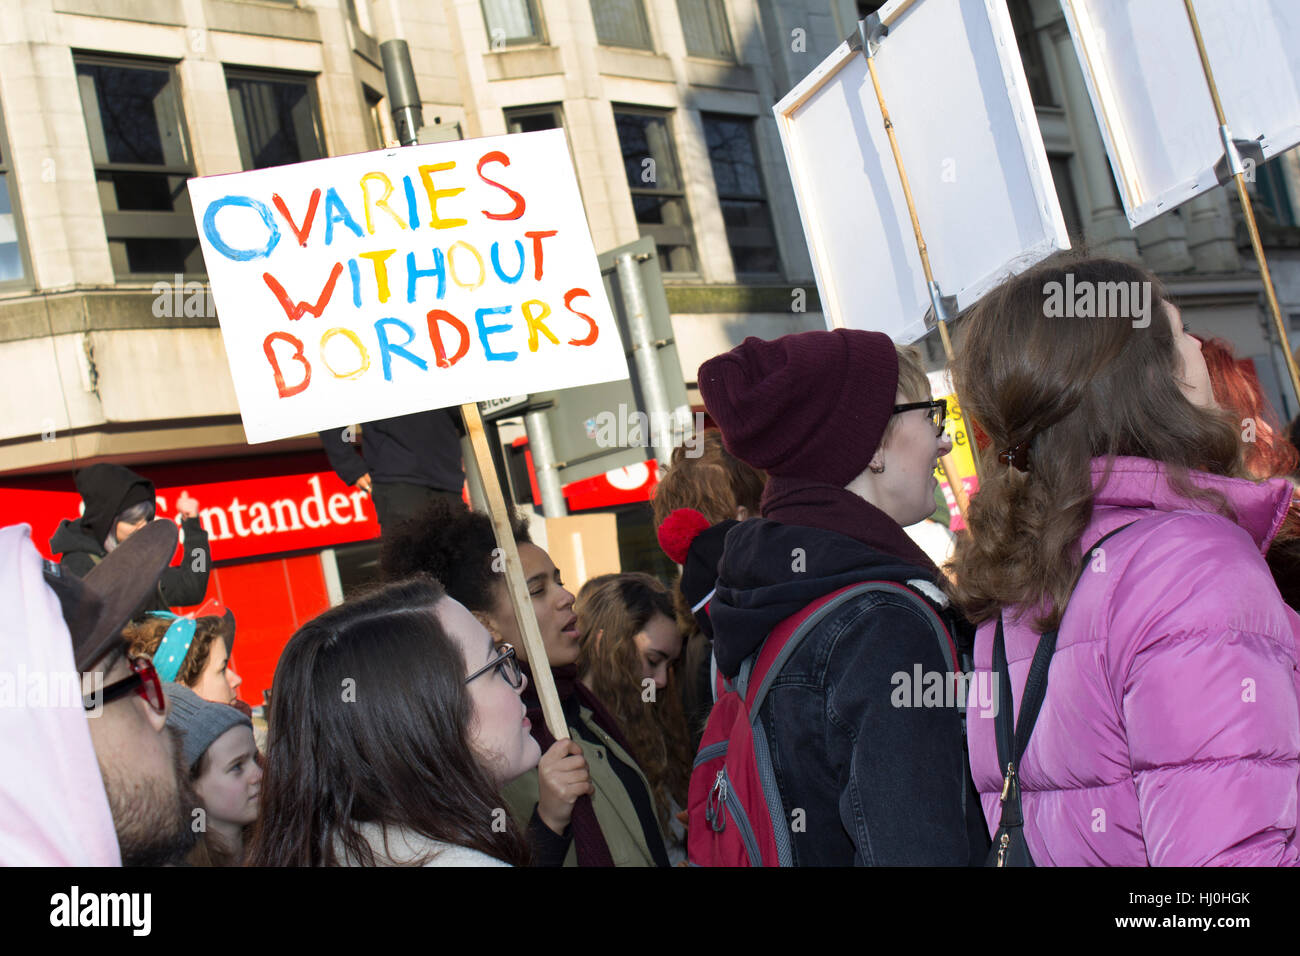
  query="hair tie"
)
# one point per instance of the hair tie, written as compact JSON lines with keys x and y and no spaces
{"x":1017,"y":455}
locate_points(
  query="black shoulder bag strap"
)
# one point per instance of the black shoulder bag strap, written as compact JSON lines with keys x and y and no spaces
{"x":1009,"y":846}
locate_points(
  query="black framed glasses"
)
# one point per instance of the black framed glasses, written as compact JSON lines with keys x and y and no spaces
{"x":506,"y":664}
{"x":143,"y":681}
{"x":938,"y":411}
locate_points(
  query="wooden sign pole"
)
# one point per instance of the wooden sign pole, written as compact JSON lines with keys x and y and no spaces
{"x":946,"y":462}
{"x":515,"y":583}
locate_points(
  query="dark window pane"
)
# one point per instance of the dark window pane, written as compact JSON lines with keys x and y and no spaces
{"x":704,"y":24}
{"x":533,"y":122}
{"x":1031,"y":54}
{"x":11,"y":259}
{"x":621,"y":23}
{"x":740,"y":194}
{"x":676,"y":258}
{"x":167,"y":256}
{"x":731,"y":151}
{"x":1060,"y":167}
{"x":132,"y":114}
{"x":647,"y":152}
{"x":275,"y":121}
{"x":143,"y":191}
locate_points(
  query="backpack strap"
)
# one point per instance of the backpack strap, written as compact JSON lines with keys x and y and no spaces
{"x":789,"y":634}
{"x":1013,"y":738}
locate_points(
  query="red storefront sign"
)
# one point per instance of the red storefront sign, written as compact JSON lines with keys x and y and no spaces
{"x":299,"y":508}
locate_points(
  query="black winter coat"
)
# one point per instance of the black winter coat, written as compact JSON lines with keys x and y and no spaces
{"x":81,"y":541}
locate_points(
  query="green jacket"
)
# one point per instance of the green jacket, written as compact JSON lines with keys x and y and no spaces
{"x":615,"y":813}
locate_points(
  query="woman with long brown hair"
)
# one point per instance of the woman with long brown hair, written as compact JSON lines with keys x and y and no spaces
{"x":1169,"y":729}
{"x":628,"y":648}
{"x":395,"y":722}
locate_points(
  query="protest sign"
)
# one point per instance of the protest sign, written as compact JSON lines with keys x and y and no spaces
{"x":1148,"y":87}
{"x":373,"y":285}
{"x":968,"y":139}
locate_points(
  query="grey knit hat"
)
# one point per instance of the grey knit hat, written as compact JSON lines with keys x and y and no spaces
{"x":199,"y":722}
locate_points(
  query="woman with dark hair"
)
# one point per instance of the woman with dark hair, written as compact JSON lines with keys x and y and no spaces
{"x":395,"y":722}
{"x":628,"y":648}
{"x":618,"y":826}
{"x":1169,"y":733}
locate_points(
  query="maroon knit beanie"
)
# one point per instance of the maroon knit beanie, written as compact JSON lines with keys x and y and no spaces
{"x":812,"y":405}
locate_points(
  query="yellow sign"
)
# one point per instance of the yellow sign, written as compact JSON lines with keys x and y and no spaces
{"x":962,"y":458}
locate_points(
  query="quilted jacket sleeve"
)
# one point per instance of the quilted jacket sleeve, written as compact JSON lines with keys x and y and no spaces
{"x":1206,"y":675}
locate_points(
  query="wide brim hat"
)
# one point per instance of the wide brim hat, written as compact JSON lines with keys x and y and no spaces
{"x":97,"y":607}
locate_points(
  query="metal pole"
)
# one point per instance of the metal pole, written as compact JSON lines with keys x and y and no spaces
{"x":645,"y":352}
{"x":544,"y":465}
{"x":403,"y":94}
{"x":1247,"y":211}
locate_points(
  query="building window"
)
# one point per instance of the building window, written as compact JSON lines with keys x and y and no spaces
{"x":740,"y":193}
{"x":512,"y":22}
{"x":621,"y":23}
{"x":276,"y":118}
{"x":359,"y":14}
{"x":1064,"y":182}
{"x":13,"y":252}
{"x":530,"y":119}
{"x":137,"y":140}
{"x":1031,"y":54}
{"x":381,"y":123}
{"x":658,"y":195}
{"x":1272,"y":192}
{"x":704,"y":24}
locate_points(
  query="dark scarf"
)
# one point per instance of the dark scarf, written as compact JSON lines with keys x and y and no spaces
{"x":588,"y":841}
{"x":810,"y":504}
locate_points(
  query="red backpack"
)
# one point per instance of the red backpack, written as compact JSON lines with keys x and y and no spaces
{"x":735,"y":816}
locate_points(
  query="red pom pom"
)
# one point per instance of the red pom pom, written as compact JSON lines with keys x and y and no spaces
{"x":679,"y":530}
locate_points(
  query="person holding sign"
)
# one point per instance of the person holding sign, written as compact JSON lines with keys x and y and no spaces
{"x":870,"y":765}
{"x":618,"y":825}
{"x":405,"y":461}
{"x":394,"y":724}
{"x":1169,"y":728}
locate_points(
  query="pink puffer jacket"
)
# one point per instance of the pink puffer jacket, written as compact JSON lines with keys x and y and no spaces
{"x":1170,"y":734}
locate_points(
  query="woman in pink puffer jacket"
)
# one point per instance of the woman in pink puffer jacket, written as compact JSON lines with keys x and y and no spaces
{"x":1170,"y":730}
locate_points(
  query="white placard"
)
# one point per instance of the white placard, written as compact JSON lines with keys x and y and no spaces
{"x":952,"y":80}
{"x":1147,"y":85}
{"x":378,"y":284}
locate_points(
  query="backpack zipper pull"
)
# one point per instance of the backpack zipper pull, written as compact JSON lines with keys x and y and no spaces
{"x":1002,"y":849}
{"x":713,"y":808}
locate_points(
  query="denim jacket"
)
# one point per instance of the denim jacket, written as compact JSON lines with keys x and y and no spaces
{"x":868,"y":751}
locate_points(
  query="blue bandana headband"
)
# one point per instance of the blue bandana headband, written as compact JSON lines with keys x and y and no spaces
{"x":175,"y":645}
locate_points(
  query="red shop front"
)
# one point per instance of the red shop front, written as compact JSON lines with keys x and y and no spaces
{"x":272,"y":526}
{"x":288,"y":537}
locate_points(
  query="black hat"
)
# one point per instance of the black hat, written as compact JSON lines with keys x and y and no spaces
{"x":97,"y":607}
{"x":688,"y":539}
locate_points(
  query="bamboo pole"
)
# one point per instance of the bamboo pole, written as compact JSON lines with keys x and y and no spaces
{"x":515,"y":583}
{"x":949,"y":467}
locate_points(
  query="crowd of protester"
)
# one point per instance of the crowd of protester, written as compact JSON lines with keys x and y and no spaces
{"x":1132,"y":565}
